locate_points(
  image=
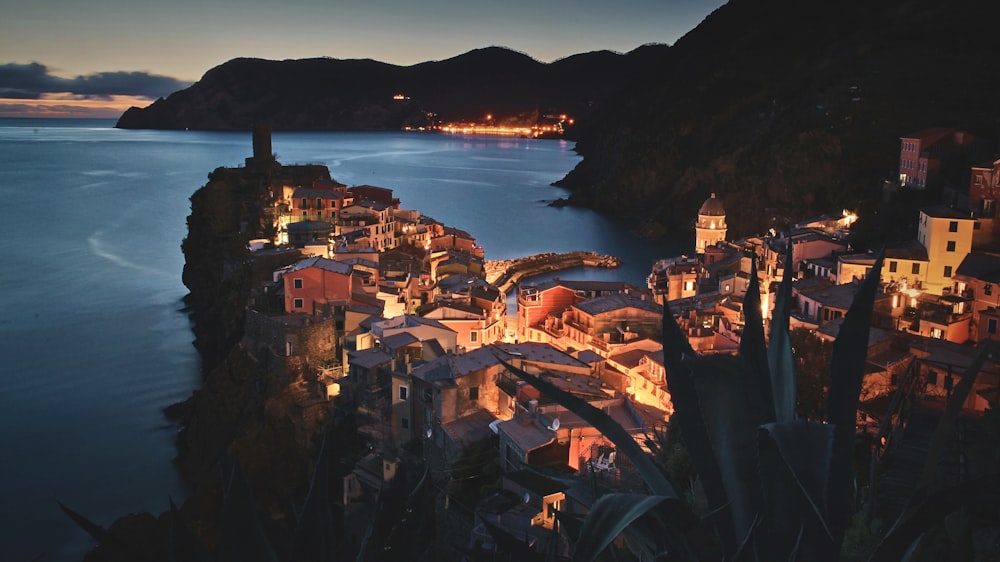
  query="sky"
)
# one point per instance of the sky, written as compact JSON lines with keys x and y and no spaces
{"x":67,"y":58}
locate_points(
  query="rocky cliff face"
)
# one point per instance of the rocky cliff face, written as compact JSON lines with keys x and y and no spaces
{"x":786,"y":108}
{"x":331,"y":94}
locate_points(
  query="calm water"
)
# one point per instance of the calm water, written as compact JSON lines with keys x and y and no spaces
{"x":93,"y":342}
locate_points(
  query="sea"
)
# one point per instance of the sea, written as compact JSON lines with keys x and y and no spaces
{"x":94,"y":341}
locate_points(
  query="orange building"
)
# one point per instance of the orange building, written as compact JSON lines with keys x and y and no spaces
{"x":315,"y":282}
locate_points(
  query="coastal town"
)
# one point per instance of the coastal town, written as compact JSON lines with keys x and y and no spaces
{"x":400,"y":321}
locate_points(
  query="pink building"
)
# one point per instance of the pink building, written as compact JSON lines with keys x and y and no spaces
{"x":313,"y":283}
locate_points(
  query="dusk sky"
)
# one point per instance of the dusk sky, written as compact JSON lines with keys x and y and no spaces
{"x":96,"y":58}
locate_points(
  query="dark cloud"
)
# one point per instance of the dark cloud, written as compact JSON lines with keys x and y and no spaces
{"x":30,"y":81}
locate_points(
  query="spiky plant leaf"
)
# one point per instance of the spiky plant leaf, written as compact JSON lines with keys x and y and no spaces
{"x":847,"y":371}
{"x":753,"y":347}
{"x":781,"y":364}
{"x":946,"y":426}
{"x":650,"y":472}
{"x":732,"y":410}
{"x":612,"y":514}
{"x":99,"y":533}
{"x":516,"y":547}
{"x":241,"y":536}
{"x":314,"y":535}
{"x":794,"y":462}
{"x":677,"y":355}
{"x":980,"y":494}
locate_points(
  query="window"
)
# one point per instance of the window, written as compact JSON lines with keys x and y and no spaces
{"x":892,"y":266}
{"x":297,"y":303}
{"x":428,"y":396}
{"x":305,"y":203}
{"x":473,"y":393}
{"x":991,"y":326}
{"x":404,"y":392}
{"x":915,"y":269}
{"x":977,"y":225}
{"x":979,"y":180}
{"x":987,"y":289}
{"x":689,"y":285}
{"x":297,"y":283}
{"x":404,"y":423}
{"x":319,"y":203}
{"x":473,"y":336}
{"x":932,"y":377}
{"x":951,"y":246}
{"x":953,"y":226}
{"x":947,"y":271}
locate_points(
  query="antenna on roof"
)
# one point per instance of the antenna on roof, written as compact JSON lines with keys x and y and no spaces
{"x":554,"y":426}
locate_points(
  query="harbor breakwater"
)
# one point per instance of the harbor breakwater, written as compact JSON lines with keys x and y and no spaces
{"x":505,"y":274}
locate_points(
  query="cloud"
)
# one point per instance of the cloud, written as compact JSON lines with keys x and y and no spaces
{"x":33,"y":80}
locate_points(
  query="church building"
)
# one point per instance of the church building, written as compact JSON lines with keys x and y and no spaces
{"x":711,"y":225}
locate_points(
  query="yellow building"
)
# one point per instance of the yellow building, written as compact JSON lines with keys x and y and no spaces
{"x":946,"y":233}
{"x":711,"y":225}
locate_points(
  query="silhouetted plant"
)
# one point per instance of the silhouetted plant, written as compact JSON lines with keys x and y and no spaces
{"x":778,"y":488}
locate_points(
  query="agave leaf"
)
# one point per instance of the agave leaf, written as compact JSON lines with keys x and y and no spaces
{"x":732,"y":411}
{"x":516,"y":547}
{"x":570,"y":525}
{"x":779,"y":352}
{"x":946,"y":426}
{"x":753,"y":347}
{"x":241,"y":536}
{"x":314,"y":536}
{"x":847,"y":371}
{"x":612,"y":514}
{"x":99,"y":533}
{"x":650,"y":472}
{"x":794,"y":463}
{"x":688,"y":417}
{"x":183,"y":543}
{"x":978,"y":494}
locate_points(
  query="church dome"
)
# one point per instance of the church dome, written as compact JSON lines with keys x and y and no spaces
{"x":712,"y":207}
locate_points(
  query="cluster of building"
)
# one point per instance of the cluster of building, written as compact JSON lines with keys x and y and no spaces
{"x":937,"y":299}
{"x":392,"y":312}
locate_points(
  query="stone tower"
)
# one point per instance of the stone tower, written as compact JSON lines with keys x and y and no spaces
{"x":262,"y":143}
{"x":711,"y":225}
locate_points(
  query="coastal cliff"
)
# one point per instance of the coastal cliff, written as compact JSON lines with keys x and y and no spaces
{"x":783,"y":113}
{"x":250,"y":436}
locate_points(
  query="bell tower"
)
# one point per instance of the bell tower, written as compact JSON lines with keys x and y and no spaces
{"x":711,"y":225}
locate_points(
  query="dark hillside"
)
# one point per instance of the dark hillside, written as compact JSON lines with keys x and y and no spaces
{"x":786,"y":107}
{"x":331,"y":94}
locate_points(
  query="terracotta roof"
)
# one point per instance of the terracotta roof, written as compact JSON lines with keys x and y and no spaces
{"x":324,"y":264}
{"x":616,"y":302}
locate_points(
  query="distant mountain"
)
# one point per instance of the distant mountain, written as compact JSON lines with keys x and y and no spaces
{"x":786,"y":108}
{"x":332,"y":94}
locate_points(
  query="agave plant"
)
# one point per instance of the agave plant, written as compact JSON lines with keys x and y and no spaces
{"x":778,"y":488}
